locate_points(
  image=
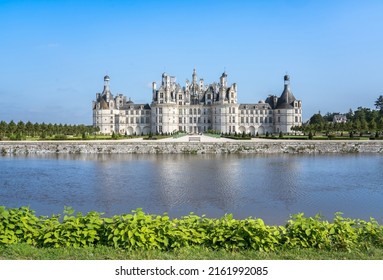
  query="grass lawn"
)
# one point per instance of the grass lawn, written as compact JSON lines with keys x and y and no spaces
{"x":28,"y":252}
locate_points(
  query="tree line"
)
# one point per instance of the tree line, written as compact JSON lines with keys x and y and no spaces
{"x":359,"y":122}
{"x":21,"y":130}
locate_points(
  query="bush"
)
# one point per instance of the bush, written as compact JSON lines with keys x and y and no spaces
{"x":310,"y":135}
{"x":61,"y":137}
{"x":137,"y":231}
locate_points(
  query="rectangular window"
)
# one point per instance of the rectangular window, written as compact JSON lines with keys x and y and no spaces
{"x":261,"y":119}
{"x":190,"y":120}
{"x":296,"y":118}
{"x":179,"y":120}
{"x":251,"y":119}
{"x":242,"y":119}
{"x":270,"y":119}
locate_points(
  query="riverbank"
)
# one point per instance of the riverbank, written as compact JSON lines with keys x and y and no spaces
{"x":199,"y":145}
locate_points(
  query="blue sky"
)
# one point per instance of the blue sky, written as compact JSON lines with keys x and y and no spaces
{"x":54,"y":54}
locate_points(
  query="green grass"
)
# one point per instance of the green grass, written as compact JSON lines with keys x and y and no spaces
{"x":23,"y":251}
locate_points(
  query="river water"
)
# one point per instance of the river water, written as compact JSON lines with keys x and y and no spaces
{"x":268,"y":187}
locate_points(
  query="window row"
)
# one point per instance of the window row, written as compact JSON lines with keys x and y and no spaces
{"x":256,"y":120}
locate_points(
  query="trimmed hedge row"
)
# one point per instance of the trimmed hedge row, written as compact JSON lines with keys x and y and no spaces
{"x":143,"y":231}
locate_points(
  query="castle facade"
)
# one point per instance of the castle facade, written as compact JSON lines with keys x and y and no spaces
{"x":195,"y":108}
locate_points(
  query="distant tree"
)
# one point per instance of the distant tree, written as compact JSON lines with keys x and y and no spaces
{"x":11,"y":127}
{"x":364,"y":125}
{"x":380,"y":124}
{"x":317,"y":119}
{"x":372,"y":126}
{"x":310,"y":135}
{"x":379,"y":104}
{"x":29,"y":128}
{"x":357,"y":125}
{"x":350,"y":115}
{"x":20,"y":128}
{"x":3,"y":128}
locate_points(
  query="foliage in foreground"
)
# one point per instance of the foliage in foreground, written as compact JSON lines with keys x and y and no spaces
{"x":22,"y":251}
{"x":155,"y":232}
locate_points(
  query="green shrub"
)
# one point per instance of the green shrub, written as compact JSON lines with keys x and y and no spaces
{"x":60,"y":137}
{"x":140,"y":231}
{"x":18,"y":226}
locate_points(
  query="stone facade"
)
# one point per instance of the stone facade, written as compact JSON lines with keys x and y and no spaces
{"x":195,"y":108}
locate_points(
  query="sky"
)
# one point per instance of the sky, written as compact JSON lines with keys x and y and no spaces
{"x":54,"y":54}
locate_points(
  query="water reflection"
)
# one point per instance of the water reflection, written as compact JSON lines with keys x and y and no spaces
{"x":270,"y":187}
{"x":200,"y":182}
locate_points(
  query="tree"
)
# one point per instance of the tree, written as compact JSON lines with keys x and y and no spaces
{"x":20,"y":129}
{"x":317,"y":119}
{"x":3,"y":128}
{"x":380,"y":124}
{"x":379,"y":104}
{"x":11,"y":127}
{"x":29,"y":128}
{"x":364,"y":125}
{"x":372,"y":125}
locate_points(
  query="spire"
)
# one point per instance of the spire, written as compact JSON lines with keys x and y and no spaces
{"x":287,"y":97}
{"x":194,"y":80}
{"x":106,"y":84}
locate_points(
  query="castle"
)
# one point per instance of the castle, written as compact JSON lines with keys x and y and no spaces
{"x":195,"y":108}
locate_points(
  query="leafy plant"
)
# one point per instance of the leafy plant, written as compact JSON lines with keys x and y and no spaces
{"x":138,"y":230}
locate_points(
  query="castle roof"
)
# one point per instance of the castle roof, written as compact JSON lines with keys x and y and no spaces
{"x":103,"y":104}
{"x":287,"y":98}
